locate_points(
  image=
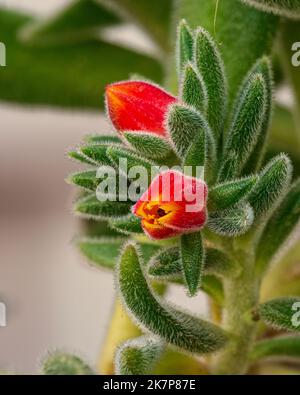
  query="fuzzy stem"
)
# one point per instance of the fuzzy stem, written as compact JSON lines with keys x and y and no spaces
{"x":241,"y":296}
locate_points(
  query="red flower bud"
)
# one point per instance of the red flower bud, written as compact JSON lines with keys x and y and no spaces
{"x":173,"y":204}
{"x":137,"y":105}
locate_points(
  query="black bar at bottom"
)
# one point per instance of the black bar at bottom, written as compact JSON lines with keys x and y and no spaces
{"x":133,"y":384}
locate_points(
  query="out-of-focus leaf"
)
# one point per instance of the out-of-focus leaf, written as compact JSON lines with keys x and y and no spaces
{"x":153,"y":16}
{"x":287,"y":8}
{"x":284,"y":277}
{"x":174,"y":362}
{"x":120,"y":329}
{"x":291,"y":58}
{"x":101,"y":251}
{"x":280,"y":141}
{"x":214,"y":288}
{"x":70,"y":75}
{"x":60,"y":364}
{"x":185,"y":44}
{"x":104,"y":251}
{"x":278,"y":347}
{"x":280,"y":227}
{"x":75,"y":22}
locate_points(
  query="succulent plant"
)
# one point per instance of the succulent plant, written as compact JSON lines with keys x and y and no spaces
{"x":245,"y":211}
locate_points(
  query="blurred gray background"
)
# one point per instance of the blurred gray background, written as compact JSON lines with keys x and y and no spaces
{"x":53,"y":298}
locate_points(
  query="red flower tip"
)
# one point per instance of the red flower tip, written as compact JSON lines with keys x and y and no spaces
{"x":173,"y":204}
{"x":137,"y":105}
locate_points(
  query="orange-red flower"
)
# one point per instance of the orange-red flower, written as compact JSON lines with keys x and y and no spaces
{"x":173,"y":204}
{"x":138,"y":105}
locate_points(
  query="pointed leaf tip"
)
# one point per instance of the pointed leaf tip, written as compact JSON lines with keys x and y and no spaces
{"x":192,"y":260}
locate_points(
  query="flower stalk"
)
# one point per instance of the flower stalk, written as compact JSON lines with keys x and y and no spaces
{"x":241,"y":298}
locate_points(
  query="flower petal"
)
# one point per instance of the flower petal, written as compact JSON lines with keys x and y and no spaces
{"x":173,"y":204}
{"x":137,"y":105}
{"x":157,"y":232}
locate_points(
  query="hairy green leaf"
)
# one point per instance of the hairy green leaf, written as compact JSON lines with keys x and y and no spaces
{"x":211,"y":68}
{"x":231,"y":222}
{"x":230,"y":193}
{"x":61,"y":364}
{"x":246,"y":124}
{"x":104,"y":251}
{"x":287,"y":8}
{"x":228,"y":167}
{"x":273,"y":181}
{"x":81,"y":158}
{"x":280,"y":227}
{"x":192,"y":259}
{"x":101,"y":251}
{"x":91,"y":207}
{"x":86,"y":179}
{"x":240,"y":43}
{"x":130,"y":160}
{"x":195,"y":156}
{"x":193,"y":90}
{"x":97,"y":153}
{"x":148,"y":144}
{"x":102,"y":139}
{"x":283,"y":313}
{"x":174,"y":326}
{"x":185,"y":43}
{"x":278,"y":347}
{"x":184,"y":124}
{"x":129,"y":224}
{"x":166,"y":264}
{"x":138,"y":356}
{"x":262,"y":66}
